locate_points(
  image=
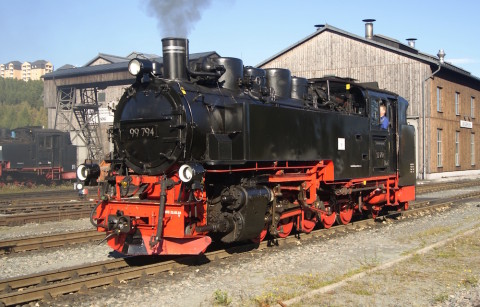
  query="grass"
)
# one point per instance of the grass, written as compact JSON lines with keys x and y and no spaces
{"x":221,"y":298}
{"x":425,"y":279}
{"x":440,"y":298}
{"x":432,"y":232}
{"x":430,"y":277}
{"x":469,"y":281}
{"x":362,"y":291}
{"x":288,"y":285}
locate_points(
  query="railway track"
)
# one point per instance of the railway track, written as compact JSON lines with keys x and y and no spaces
{"x":57,"y":240}
{"x":36,"y":287}
{"x":17,"y":212}
{"x":54,"y":240}
{"x":428,"y":188}
{"x":40,"y":217}
{"x":10,"y":198}
{"x":44,"y":206}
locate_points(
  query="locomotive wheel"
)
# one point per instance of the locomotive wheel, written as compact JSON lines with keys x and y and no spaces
{"x":261,"y":236}
{"x":284,"y":227}
{"x":328,"y":220}
{"x":345,"y":214}
{"x":308,"y":223}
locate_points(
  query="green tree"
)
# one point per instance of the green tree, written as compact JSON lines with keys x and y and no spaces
{"x":21,"y":103}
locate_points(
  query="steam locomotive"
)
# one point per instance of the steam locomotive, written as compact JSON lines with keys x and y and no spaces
{"x":208,"y":149}
{"x":32,"y":155}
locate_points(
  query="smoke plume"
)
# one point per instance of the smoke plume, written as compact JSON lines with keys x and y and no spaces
{"x":176,"y":17}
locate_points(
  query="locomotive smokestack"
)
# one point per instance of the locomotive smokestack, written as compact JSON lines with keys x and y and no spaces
{"x":411,"y":42}
{"x":368,"y":28}
{"x":175,"y":58}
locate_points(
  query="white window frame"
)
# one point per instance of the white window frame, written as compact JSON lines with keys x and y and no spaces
{"x":457,"y":103}
{"x":439,"y":99}
{"x":439,"y":148}
{"x":457,"y":148}
{"x":472,"y":106}
{"x":472,"y":149}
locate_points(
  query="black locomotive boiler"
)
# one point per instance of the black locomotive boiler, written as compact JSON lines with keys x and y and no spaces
{"x":33,"y":155}
{"x":211,"y":149}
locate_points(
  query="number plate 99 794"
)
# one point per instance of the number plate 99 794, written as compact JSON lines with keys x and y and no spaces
{"x":141,"y":132}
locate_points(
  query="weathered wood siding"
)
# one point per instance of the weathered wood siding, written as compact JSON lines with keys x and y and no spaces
{"x":331,"y":53}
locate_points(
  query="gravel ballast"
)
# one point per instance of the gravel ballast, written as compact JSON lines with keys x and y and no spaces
{"x":280,"y":273}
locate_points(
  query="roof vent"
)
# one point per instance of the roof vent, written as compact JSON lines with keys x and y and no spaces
{"x":411,"y":42}
{"x":441,"y":56}
{"x":368,"y":28}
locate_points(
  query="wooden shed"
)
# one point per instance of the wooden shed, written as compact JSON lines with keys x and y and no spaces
{"x":451,"y":138}
{"x":80,"y":99}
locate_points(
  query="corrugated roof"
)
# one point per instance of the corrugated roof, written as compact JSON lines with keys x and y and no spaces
{"x":86,"y":70}
{"x":107,"y":68}
{"x":380,"y":41}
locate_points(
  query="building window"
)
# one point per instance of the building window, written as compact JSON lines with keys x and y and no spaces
{"x":101,"y":97}
{"x":472,"y":148}
{"x":439,"y":148}
{"x":457,"y":148}
{"x":457,"y":103}
{"x":472,"y":107}
{"x":439,"y":99}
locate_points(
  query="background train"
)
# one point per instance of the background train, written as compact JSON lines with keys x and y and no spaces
{"x":32,"y":155}
{"x":212,"y":150}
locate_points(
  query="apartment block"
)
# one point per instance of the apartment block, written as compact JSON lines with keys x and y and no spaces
{"x":25,"y":71}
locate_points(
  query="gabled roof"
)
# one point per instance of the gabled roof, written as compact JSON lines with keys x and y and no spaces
{"x":107,"y":57}
{"x":39,"y":64}
{"x":379,"y":41}
{"x":136,"y":54}
{"x":16,"y":64}
{"x":66,"y":66}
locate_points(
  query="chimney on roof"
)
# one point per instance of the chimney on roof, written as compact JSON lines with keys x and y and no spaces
{"x":368,"y":28}
{"x":411,"y":42}
{"x":441,"y":56}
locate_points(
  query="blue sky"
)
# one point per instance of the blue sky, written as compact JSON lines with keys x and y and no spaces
{"x":74,"y":32}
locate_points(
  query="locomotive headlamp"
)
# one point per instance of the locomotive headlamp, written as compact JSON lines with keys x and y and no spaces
{"x":79,"y":186}
{"x":189,"y":171}
{"x":140,"y":66}
{"x":88,"y":173}
{"x":134,"y":67}
{"x":82,"y":172}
